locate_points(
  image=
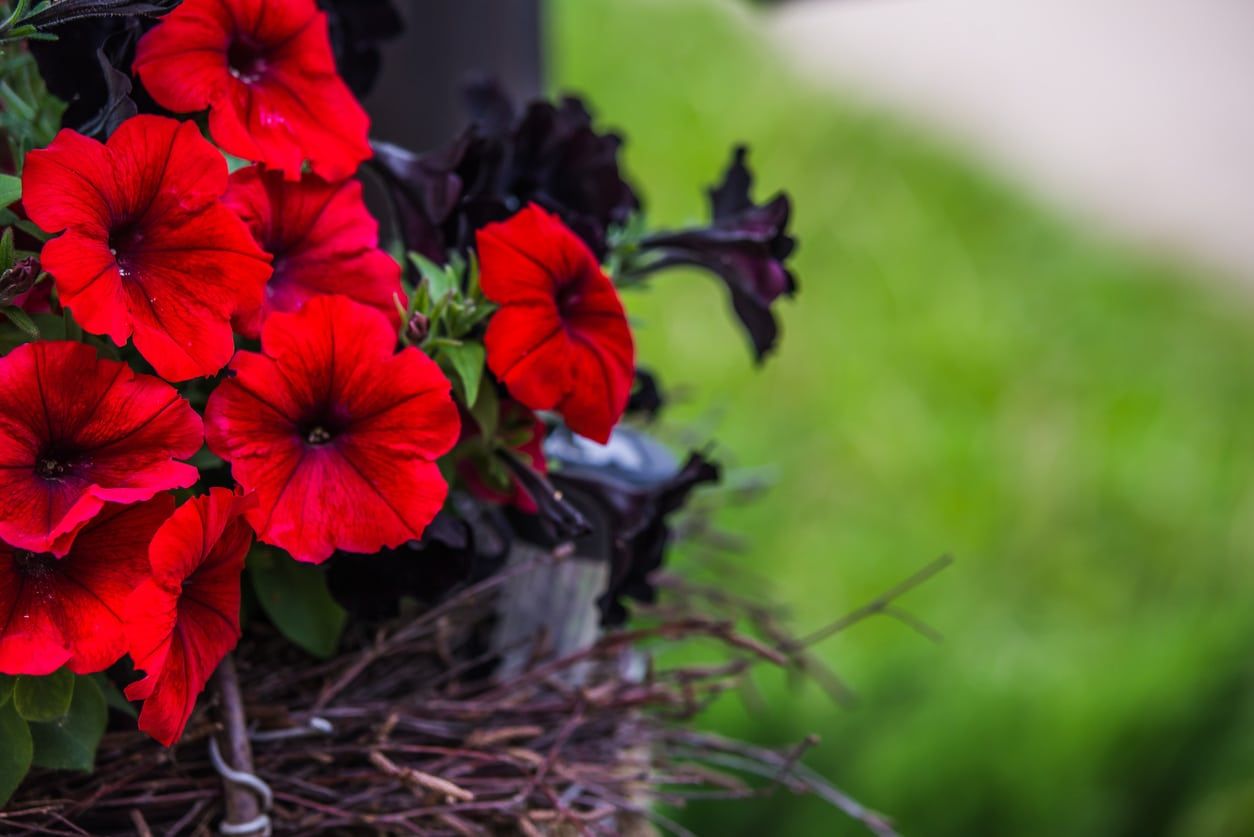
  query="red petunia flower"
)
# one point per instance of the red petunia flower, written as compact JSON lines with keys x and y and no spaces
{"x":337,"y":434}
{"x":78,"y":431}
{"x":148,"y":250}
{"x":560,"y":340}
{"x":265,"y":71}
{"x":321,"y":237}
{"x":68,"y":611}
{"x":522,"y":433}
{"x":184,"y":618}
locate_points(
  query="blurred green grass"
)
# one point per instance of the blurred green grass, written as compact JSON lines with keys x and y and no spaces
{"x":962,"y":372}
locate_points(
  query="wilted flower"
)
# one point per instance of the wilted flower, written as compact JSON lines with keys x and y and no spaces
{"x":18,"y":280}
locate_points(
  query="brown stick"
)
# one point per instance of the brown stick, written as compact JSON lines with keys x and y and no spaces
{"x":241,"y":804}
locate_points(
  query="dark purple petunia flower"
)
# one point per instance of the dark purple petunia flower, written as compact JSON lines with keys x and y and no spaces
{"x":746,"y":245}
{"x":357,"y":29}
{"x":639,"y":528}
{"x":549,"y":155}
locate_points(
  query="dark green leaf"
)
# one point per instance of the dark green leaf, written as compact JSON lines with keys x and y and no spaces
{"x":466,"y":361}
{"x":70,"y":743}
{"x":44,"y":698}
{"x":10,"y":189}
{"x":114,"y":697}
{"x":22,"y":320}
{"x":7,"y":256}
{"x":487,"y":411}
{"x":6,"y":687}
{"x":295,"y":597}
{"x":16,"y":750}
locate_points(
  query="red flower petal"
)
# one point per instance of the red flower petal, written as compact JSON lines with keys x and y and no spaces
{"x":149,"y":249}
{"x":560,"y":340}
{"x":184,"y":619}
{"x":78,"y":431}
{"x":322,"y":238}
{"x":335,"y":432}
{"x":57,"y":611}
{"x":265,"y":71}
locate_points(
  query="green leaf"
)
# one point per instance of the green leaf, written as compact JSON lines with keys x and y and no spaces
{"x":114,"y":698}
{"x":295,"y":597}
{"x":16,"y":749}
{"x":441,"y":281}
{"x":10,"y":189}
{"x":6,"y":687}
{"x":487,"y":411}
{"x":22,"y":320}
{"x":467,"y":362}
{"x":44,"y":698}
{"x":7,"y":256}
{"x":70,"y":743}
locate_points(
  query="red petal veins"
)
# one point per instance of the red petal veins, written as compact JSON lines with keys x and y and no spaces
{"x":78,"y":431}
{"x":265,"y":70}
{"x":323,"y":239}
{"x":185,"y":619}
{"x":335,"y":432}
{"x":55,"y":612}
{"x":150,"y":251}
{"x":560,"y":339}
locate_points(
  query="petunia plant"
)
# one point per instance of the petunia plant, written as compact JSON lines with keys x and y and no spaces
{"x":228,"y":403}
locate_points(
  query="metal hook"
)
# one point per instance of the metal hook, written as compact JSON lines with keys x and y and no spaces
{"x":260,"y":825}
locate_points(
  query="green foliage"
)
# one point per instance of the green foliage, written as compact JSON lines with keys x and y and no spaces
{"x":295,"y":597}
{"x":70,"y":741}
{"x":959,"y":372}
{"x":44,"y":698}
{"x":16,"y":750}
{"x":10,"y":190}
{"x":451,"y":307}
{"x":55,"y":721}
{"x":29,"y":115}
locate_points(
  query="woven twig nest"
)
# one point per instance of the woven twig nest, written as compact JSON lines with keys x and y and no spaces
{"x":421,"y":729}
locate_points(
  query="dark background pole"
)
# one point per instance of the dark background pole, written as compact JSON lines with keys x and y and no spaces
{"x":417,"y":100}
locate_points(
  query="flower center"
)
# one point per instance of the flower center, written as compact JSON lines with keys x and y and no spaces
{"x":33,"y":565}
{"x":55,"y":465}
{"x":246,"y":62}
{"x":570,"y":297}
{"x":318,"y":435}
{"x":124,"y":243}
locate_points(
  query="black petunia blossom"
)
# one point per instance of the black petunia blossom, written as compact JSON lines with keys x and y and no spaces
{"x":636,"y":520}
{"x":357,"y":28}
{"x":88,"y":66}
{"x":60,"y":12}
{"x":746,"y":245}
{"x":646,"y":400}
{"x":548,"y":154}
{"x":449,"y":556}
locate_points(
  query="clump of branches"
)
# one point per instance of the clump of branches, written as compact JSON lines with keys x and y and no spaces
{"x":411,"y":733}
